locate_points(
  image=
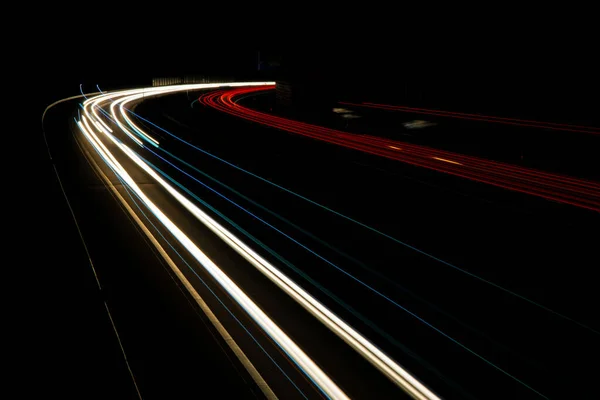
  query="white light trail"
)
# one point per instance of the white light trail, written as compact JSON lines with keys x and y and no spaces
{"x":358,"y":342}
{"x":94,"y":112}
{"x":304,"y":362}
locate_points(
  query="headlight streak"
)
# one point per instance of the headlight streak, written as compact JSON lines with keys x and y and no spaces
{"x":379,"y":359}
{"x":124,"y":129}
{"x":440,"y":160}
{"x":140,"y":93}
{"x":213,"y":223}
{"x":133,"y":126}
{"x":399,"y":306}
{"x":94,"y":110}
{"x":300,"y":272}
{"x":321,"y":380}
{"x":343,"y":330}
{"x":347,"y":307}
{"x":224,"y":233}
{"x":338,"y":326}
{"x":136,"y":203}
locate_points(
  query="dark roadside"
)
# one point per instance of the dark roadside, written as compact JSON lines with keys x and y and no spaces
{"x":68,"y":345}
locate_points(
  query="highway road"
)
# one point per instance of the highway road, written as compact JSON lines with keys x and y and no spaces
{"x":325,"y":268}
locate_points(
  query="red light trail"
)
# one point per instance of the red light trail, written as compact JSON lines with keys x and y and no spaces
{"x":560,"y":188}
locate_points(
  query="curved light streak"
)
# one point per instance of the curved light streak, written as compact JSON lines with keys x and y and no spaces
{"x":563,"y":189}
{"x":322,"y":381}
{"x":384,"y":363}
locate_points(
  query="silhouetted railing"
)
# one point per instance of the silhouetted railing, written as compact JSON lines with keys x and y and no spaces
{"x":166,"y":81}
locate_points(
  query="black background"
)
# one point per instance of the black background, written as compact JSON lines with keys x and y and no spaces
{"x":546,"y":68}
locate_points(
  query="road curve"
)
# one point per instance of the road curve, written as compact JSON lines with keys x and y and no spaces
{"x":120,"y":149}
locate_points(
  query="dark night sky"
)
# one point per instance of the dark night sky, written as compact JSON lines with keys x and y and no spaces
{"x":138,"y":65}
{"x":508,"y":54}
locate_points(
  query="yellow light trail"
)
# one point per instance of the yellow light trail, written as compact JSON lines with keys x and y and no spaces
{"x":445,"y":160}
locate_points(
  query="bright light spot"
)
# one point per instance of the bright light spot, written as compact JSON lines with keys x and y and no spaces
{"x":444,"y":160}
{"x":338,"y":110}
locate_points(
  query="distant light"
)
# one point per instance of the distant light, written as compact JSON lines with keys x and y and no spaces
{"x":338,"y":110}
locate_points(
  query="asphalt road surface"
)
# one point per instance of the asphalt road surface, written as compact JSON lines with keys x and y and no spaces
{"x":477,"y":291}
